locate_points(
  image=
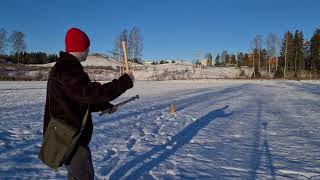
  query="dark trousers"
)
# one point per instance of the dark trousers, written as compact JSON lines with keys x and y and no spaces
{"x":80,"y":166}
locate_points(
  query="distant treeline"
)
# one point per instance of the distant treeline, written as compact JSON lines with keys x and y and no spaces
{"x":162,"y":62}
{"x":30,"y":58}
{"x":16,"y":40}
{"x":291,"y":56}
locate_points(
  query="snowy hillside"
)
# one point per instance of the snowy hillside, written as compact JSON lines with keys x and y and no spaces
{"x":99,"y":71}
{"x":102,"y":60}
{"x":222,"y":130}
{"x":169,"y":71}
{"x":98,"y":60}
{"x":187,"y":72}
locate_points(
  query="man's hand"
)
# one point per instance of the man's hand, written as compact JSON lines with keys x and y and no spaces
{"x":129,"y":72}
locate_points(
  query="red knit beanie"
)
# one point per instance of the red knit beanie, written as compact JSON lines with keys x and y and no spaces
{"x":76,"y":40}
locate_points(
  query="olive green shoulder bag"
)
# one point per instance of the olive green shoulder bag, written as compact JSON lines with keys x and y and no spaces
{"x":59,"y":141}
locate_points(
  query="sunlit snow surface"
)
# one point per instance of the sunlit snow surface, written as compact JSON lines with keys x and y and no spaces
{"x":223,"y":129}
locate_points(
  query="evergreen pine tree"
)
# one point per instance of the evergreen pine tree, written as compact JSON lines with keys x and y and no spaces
{"x":315,"y":51}
{"x":299,"y":48}
{"x":287,"y":52}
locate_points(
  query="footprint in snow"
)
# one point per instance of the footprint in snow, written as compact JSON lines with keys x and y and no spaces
{"x":148,"y":176}
{"x":171,"y":168}
{"x":141,"y":131}
{"x":131,"y":143}
{"x":156,"y":130}
{"x":162,"y":133}
{"x":110,"y":153}
{"x":109,"y":162}
{"x":136,"y":125}
{"x":109,"y":166}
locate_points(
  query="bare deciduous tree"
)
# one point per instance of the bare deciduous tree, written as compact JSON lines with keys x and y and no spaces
{"x":135,"y":44}
{"x":273,"y":45}
{"x":224,"y":57}
{"x":208,"y":57}
{"x":118,"y":48}
{"x":253,"y":57}
{"x":3,"y":40}
{"x":257,"y":41}
{"x":18,"y":44}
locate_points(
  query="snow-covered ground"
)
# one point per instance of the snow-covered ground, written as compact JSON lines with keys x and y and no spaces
{"x":223,"y":129}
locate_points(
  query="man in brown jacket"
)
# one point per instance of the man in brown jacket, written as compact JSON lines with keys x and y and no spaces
{"x":70,"y":93}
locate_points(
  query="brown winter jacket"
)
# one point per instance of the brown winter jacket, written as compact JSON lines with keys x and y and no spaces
{"x":71,"y":91}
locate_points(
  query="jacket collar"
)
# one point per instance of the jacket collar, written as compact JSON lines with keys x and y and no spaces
{"x":65,"y":55}
{"x":69,"y":59}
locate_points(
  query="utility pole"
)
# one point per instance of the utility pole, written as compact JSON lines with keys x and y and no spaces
{"x":197,"y":57}
{"x":295,"y":62}
{"x":316,"y":65}
{"x":259,"y":59}
{"x":269,"y":70}
{"x":254,"y":71}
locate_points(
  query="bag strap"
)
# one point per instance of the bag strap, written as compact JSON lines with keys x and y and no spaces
{"x":50,"y":79}
{"x":84,"y":120}
{"x":49,"y":95}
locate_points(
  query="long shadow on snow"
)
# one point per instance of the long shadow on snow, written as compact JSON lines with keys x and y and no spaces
{"x":312,"y":88}
{"x":306,"y":87}
{"x":255,"y":160}
{"x":182,"y":138}
{"x":301,"y":126}
{"x":181,"y":104}
{"x":149,"y":108}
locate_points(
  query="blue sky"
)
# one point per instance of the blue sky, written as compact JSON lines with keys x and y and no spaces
{"x":170,"y":28}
